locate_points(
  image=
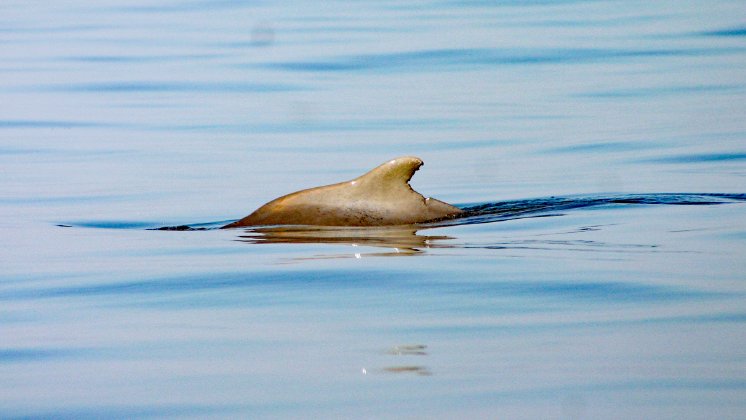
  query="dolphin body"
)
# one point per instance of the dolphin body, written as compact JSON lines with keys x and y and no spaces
{"x":380,"y":197}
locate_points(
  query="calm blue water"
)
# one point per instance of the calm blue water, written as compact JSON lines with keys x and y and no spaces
{"x":601,"y":147}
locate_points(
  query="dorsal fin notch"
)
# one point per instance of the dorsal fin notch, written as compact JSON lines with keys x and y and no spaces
{"x":394,"y":172}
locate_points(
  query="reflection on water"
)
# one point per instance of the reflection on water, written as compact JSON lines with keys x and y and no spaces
{"x":417,"y":370}
{"x":408,"y":350}
{"x":403,"y":239}
{"x":405,"y":350}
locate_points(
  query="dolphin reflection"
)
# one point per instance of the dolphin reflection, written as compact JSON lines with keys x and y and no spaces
{"x":403,"y":240}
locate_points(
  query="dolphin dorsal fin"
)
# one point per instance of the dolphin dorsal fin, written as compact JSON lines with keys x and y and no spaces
{"x":381,"y":197}
{"x":395,"y":173}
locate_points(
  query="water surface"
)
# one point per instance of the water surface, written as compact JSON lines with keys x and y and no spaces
{"x":599,"y":146}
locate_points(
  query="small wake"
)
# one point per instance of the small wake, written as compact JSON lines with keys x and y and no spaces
{"x":558,"y":205}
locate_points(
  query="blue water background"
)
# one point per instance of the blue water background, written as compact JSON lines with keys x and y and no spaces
{"x":116,"y":117}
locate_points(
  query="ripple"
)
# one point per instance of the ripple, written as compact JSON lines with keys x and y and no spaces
{"x":22,"y":355}
{"x":660,"y":91}
{"x":186,"y":6}
{"x":147,"y":86}
{"x":729,"y":32}
{"x":432,"y":60}
{"x":700,"y":158}
{"x":51,"y":124}
{"x":118,"y":59}
{"x":606,"y":147}
{"x":132,"y":411}
{"x":248,"y":288}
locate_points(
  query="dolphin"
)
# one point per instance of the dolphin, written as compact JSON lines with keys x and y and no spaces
{"x":380,"y":197}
